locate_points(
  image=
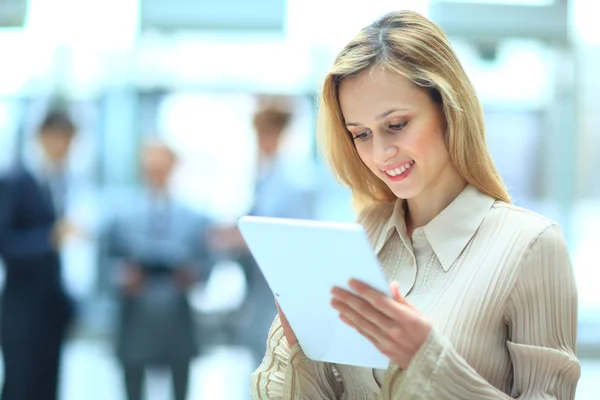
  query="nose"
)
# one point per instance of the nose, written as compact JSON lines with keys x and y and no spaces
{"x":384,"y":148}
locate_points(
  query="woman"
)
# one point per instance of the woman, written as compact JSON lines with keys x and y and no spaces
{"x":484,"y":301}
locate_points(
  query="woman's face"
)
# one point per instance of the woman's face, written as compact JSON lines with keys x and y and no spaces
{"x":398,"y":131}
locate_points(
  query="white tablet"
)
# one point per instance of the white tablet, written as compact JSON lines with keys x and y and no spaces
{"x":301,"y":261}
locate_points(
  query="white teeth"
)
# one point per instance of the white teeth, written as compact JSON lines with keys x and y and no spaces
{"x":399,"y":170}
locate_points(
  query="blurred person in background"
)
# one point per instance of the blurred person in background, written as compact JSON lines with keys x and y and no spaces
{"x":283,"y":189}
{"x":36,"y":309}
{"x":159,"y":246}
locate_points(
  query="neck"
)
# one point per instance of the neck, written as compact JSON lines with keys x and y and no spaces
{"x":264,"y":156}
{"x":265,"y":161}
{"x":41,"y":160}
{"x":434,"y":199}
{"x":54,"y":165}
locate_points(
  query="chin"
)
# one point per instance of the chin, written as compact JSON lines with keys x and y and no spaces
{"x":406,"y":192}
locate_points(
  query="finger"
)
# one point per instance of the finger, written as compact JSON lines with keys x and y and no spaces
{"x":365,"y":289}
{"x":380,"y":300}
{"x":281,"y":314}
{"x":359,"y":329}
{"x":384,"y":345}
{"x":346,"y":300}
{"x":362,"y":322}
{"x":359,"y":326}
{"x":391,"y":306}
{"x":395,"y":289}
{"x":396,"y":295}
{"x":348,"y":322}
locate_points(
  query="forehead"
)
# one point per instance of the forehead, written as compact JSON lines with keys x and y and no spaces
{"x":373,"y":92}
{"x":55,"y":132}
{"x":157,"y":152}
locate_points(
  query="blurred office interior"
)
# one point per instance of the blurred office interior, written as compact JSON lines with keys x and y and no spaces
{"x":190,"y":72}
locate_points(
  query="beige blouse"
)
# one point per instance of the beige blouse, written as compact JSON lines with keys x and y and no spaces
{"x":497,"y":284}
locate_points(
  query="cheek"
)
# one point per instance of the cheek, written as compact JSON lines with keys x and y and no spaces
{"x":61,"y":147}
{"x":365,"y":154}
{"x":268,"y":142}
{"x":428,"y":145}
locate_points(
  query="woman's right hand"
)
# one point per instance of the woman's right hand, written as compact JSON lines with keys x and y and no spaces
{"x":290,"y":336}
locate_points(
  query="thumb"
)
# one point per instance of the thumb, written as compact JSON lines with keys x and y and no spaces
{"x":396,"y":295}
{"x":281,"y":315}
{"x":395,"y":289}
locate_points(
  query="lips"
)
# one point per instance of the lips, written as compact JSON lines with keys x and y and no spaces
{"x":399,"y":169}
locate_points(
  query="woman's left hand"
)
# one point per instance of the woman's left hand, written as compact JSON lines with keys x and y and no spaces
{"x":394,"y":326}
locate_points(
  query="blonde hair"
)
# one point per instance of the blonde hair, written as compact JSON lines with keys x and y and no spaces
{"x":409,"y":44}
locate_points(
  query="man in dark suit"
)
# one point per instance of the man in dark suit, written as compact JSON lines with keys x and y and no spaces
{"x":35,"y":308}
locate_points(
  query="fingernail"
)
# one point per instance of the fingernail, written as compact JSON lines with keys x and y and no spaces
{"x":345,"y":320}
{"x":354,"y":284}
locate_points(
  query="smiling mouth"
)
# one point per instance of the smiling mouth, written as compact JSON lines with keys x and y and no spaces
{"x":400,"y":171}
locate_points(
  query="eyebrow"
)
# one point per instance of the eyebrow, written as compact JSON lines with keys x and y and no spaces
{"x":380,"y":116}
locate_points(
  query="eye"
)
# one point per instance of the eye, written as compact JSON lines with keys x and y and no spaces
{"x":362,"y":136}
{"x":398,"y":127}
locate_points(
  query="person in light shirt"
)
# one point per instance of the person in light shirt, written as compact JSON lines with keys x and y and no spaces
{"x":484,"y":301}
{"x":284,"y":188}
{"x":157,"y":245}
